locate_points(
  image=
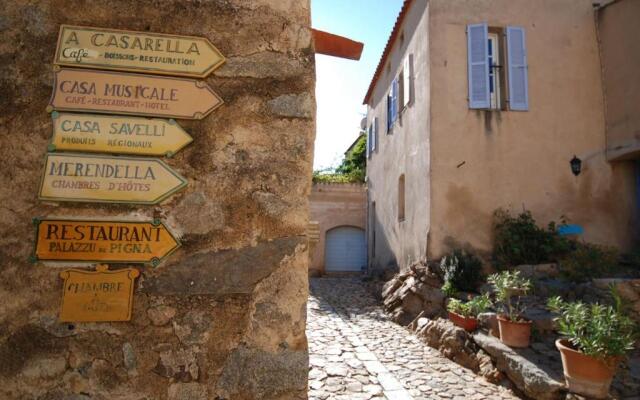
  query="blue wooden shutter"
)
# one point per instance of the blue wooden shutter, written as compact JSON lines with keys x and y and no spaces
{"x":406,"y":82}
{"x":517,"y":64}
{"x":478,"y":66}
{"x":396,"y":105}
{"x":374,"y":137}
{"x":369,"y":142}
{"x":389,"y":116}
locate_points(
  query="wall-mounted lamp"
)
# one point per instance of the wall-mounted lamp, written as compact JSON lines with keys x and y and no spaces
{"x":576,"y":165}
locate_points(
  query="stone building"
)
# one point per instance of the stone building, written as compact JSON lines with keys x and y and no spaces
{"x":340,"y":211}
{"x":224,"y":316}
{"x":481,"y":104}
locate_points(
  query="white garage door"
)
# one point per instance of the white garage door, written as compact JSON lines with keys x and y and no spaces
{"x":345,"y":249}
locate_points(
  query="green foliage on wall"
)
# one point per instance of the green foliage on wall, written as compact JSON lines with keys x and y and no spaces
{"x":352,"y":169}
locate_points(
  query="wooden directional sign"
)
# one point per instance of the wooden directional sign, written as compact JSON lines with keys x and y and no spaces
{"x":134,"y":94}
{"x":154,"y":53}
{"x":97,"y":296}
{"x":103,"y":241}
{"x":117,"y":134}
{"x":106,"y":179}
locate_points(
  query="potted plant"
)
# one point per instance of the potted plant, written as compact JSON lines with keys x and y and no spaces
{"x":595,"y":339}
{"x":465,"y":315}
{"x":509,"y":287}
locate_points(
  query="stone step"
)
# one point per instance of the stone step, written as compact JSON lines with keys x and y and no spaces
{"x":529,"y":377}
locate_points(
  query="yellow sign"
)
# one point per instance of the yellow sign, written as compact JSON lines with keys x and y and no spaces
{"x":106,"y":179}
{"x":154,"y":53}
{"x":117,"y":134}
{"x":133,"y":94}
{"x":103,"y":241}
{"x":97,"y":296}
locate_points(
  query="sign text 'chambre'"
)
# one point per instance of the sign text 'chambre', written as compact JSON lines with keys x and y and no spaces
{"x":107,"y":179}
{"x":156,"y":53}
{"x":88,"y":240}
{"x":117,"y":134}
{"x":132,"y":94}
{"x":97,"y":296}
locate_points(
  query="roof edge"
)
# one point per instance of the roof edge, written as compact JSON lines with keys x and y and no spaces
{"x":387,"y":49}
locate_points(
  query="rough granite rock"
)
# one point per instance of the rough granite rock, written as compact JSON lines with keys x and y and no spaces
{"x":214,"y":318}
{"x":531,"y":380}
{"x":416,"y":291}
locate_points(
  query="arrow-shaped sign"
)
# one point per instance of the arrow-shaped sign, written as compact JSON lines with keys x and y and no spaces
{"x":154,"y":53}
{"x":105,"y":179}
{"x":88,"y":240}
{"x":117,"y":134}
{"x":134,"y":94}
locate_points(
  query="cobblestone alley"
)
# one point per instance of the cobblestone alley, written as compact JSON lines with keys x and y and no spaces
{"x":357,"y":353}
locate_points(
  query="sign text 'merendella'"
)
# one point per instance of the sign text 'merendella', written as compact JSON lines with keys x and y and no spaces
{"x":117,"y":134}
{"x":105,"y":179}
{"x":136,"y":51}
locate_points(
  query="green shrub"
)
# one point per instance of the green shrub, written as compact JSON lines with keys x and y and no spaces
{"x":462,"y":272}
{"x":327,"y":177}
{"x":518,"y":240}
{"x":594,"y":329}
{"x":589,"y":261}
{"x":471,"y":308}
{"x":509,"y":286}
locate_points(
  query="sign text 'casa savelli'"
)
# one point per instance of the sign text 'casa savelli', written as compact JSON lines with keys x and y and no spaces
{"x":106,"y":179}
{"x":87,"y":240}
{"x":136,"y":51}
{"x":117,"y":134}
{"x":133,"y":94}
{"x":97,"y":296}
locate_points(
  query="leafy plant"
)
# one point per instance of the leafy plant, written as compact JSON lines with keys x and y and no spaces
{"x":519,"y":240}
{"x":355,"y":161}
{"x":589,"y":261}
{"x":448,"y":289}
{"x":471,"y":308}
{"x":509,"y":288}
{"x":462,"y":272}
{"x":596,"y":330}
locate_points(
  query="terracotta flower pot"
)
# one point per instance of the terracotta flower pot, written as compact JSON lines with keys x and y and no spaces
{"x":514,"y":334}
{"x":584,"y":374}
{"x":469,"y":324}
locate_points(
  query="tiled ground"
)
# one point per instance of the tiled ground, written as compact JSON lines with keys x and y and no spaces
{"x":356,"y":353}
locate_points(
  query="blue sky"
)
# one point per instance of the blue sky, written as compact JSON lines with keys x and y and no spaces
{"x":341,"y":84}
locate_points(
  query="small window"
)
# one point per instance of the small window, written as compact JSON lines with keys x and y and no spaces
{"x":496,"y":70}
{"x":401,"y":199}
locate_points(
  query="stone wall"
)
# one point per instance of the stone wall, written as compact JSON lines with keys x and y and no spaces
{"x":224,"y":316}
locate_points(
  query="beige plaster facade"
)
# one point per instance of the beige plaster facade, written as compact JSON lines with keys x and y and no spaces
{"x":619,"y":31}
{"x":333,"y":205}
{"x":468,"y":162}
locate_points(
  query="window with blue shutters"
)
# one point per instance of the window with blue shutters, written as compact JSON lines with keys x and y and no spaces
{"x":497,"y":60}
{"x":393,"y":104}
